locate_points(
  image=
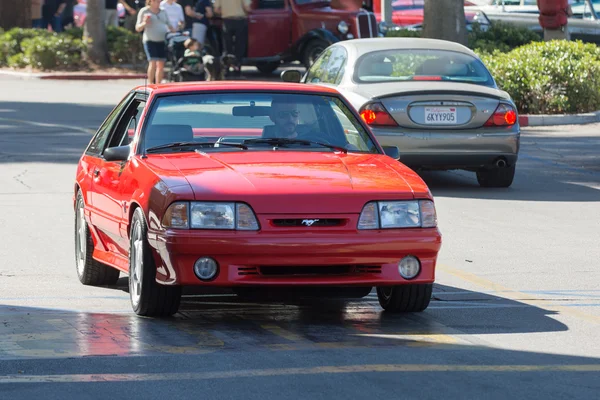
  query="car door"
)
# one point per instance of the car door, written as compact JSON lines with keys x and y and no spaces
{"x":111,"y":191}
{"x":269,"y":28}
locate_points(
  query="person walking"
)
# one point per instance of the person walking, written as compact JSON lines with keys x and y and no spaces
{"x":51,"y":14}
{"x":36,"y":14}
{"x":154,"y":23}
{"x":174,"y":12}
{"x":235,"y":26}
{"x":111,"y":15}
{"x":132,"y":8}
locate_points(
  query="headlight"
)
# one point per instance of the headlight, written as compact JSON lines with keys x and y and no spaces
{"x":210,"y":215}
{"x":343,"y":27}
{"x":398,"y":214}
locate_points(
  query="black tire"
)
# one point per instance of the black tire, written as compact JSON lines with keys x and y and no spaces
{"x":405,"y":298}
{"x":312,"y":50}
{"x":267,"y":68}
{"x":150,"y":298}
{"x":89,"y":271}
{"x":496,"y":177}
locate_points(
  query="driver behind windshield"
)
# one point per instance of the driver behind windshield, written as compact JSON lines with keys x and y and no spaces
{"x":285,"y":116}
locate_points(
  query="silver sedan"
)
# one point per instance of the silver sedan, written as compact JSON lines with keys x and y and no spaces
{"x":435,"y":100}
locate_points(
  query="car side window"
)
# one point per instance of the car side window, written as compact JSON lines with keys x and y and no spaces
{"x":98,"y":143}
{"x":318,"y":71}
{"x":125,"y":129}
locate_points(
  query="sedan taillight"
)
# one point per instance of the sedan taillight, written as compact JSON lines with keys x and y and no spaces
{"x":505,"y":115}
{"x":375,"y":114}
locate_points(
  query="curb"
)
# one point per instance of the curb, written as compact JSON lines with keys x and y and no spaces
{"x":560,"y":119}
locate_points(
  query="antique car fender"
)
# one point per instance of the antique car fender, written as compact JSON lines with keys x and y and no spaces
{"x":315,"y":34}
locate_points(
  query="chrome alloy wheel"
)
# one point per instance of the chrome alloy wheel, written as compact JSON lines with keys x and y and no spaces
{"x":81,"y":239}
{"x":136,"y":265}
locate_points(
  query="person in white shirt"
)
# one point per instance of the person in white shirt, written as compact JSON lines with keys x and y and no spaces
{"x":174,"y":12}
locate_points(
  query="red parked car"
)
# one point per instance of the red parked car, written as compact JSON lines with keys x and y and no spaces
{"x":249,"y":185}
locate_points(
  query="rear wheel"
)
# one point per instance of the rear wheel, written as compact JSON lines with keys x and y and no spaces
{"x":312,"y":51}
{"x":89,"y":271}
{"x":148,"y":298}
{"x":405,"y":298}
{"x":496,"y":177}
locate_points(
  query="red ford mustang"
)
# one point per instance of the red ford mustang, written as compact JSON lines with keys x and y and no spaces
{"x":249,"y":185}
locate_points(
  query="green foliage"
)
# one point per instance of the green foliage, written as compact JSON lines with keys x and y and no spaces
{"x":124,"y":46}
{"x":500,"y":36}
{"x":11,"y":41}
{"x":53,"y":52}
{"x":549,"y":77}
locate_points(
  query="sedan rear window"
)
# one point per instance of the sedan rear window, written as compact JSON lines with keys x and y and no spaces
{"x":421,"y":65}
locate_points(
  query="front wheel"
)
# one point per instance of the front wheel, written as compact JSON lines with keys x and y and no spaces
{"x":267,"y":68}
{"x":405,"y":298}
{"x":496,"y":177}
{"x":89,"y":271}
{"x":148,"y":298}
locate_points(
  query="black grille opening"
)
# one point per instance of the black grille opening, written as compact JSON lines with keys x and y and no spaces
{"x":307,"y":270}
{"x":247,"y":271}
{"x":307,"y":222}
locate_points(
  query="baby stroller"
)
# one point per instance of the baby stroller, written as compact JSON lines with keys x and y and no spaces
{"x":177,"y":61}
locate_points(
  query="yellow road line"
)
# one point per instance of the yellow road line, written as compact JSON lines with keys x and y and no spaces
{"x":284,"y":333}
{"x":348,"y":369}
{"x":516,"y":295}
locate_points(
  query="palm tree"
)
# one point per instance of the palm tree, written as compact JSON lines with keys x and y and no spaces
{"x":15,"y":14}
{"x":95,"y":33}
{"x":445,"y":19}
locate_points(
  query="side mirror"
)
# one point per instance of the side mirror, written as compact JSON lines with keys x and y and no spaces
{"x":392,"y":151}
{"x":120,"y":153}
{"x":291,"y":75}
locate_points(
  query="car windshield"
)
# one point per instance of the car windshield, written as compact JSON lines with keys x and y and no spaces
{"x":236,"y":122}
{"x":421,"y":65}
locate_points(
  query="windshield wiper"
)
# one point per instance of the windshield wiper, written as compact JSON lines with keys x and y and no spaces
{"x":191,"y":144}
{"x":284,"y":141}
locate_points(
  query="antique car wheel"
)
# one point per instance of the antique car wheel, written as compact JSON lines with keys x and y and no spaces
{"x":267,"y":67}
{"x":496,"y":177}
{"x":89,"y":271}
{"x":313,"y":49}
{"x":405,"y":298}
{"x":148,"y":298}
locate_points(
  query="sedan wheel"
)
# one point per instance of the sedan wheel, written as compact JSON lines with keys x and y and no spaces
{"x":89,"y":271}
{"x":496,"y":177}
{"x":148,"y":298}
{"x":405,"y":298}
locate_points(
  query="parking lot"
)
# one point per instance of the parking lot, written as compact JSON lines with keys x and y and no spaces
{"x":515,"y":310}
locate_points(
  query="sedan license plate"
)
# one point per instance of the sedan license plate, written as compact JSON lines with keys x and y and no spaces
{"x":440,"y":115}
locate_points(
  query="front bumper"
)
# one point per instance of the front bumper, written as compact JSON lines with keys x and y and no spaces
{"x":365,"y":258}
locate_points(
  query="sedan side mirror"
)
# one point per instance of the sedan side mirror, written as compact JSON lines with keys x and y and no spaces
{"x":291,"y":75}
{"x":120,"y":153}
{"x":392,"y":151}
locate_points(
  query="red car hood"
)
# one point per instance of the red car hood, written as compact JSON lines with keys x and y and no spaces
{"x":285,"y":182}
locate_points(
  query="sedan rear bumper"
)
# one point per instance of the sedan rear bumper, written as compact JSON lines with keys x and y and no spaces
{"x":453,"y":149}
{"x":294,"y":258}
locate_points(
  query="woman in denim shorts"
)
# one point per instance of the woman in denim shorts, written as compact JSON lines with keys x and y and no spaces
{"x":154,"y":22}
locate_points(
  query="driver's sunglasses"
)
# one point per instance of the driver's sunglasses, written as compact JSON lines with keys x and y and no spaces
{"x":288,"y":114}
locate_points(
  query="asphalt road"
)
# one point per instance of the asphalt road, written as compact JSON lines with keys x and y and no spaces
{"x":515,"y":314}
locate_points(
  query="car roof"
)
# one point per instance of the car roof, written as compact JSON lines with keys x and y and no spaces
{"x":362,"y":46}
{"x":200,"y":86}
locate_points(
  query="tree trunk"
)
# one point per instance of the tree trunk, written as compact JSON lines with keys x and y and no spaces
{"x":445,"y":19}
{"x":15,"y":14}
{"x":95,"y":33}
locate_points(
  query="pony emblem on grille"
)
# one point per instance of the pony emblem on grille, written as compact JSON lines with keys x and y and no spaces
{"x":309,"y":222}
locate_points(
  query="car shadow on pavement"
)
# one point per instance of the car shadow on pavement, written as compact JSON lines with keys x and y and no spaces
{"x":451,"y":311}
{"x":47,"y":132}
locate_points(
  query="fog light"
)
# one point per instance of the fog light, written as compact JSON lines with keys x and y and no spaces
{"x":409,"y":267}
{"x":206,"y":268}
